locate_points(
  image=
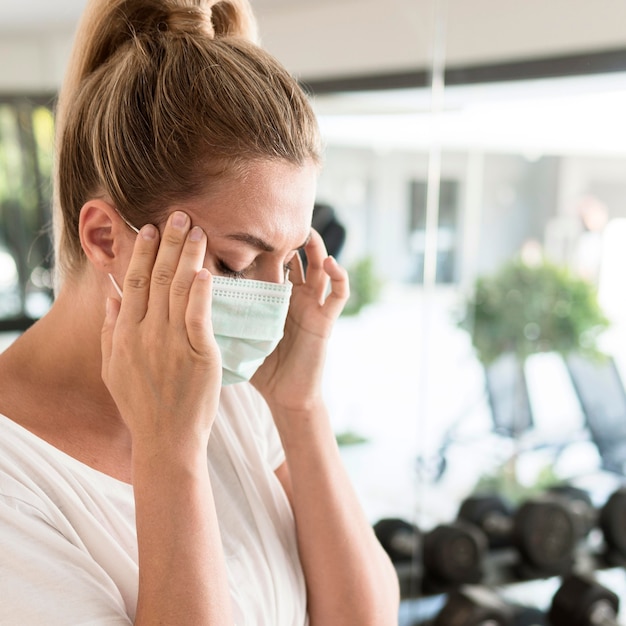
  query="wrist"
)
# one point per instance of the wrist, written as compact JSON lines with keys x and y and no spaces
{"x":301,"y":424}
{"x":154,"y":458}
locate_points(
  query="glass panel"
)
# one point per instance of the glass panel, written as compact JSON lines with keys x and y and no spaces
{"x":12,"y":192}
{"x":482,"y":379}
{"x":26,"y":146}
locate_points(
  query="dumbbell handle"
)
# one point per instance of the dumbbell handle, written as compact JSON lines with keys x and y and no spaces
{"x":497,"y":523}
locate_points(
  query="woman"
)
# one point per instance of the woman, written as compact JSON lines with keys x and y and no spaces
{"x":173,"y":121}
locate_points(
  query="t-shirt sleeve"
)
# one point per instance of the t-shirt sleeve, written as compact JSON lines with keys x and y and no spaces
{"x":46,"y":579}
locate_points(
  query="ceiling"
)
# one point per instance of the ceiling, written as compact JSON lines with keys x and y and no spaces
{"x":38,"y":14}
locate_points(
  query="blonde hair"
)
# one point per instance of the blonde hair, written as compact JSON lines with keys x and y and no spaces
{"x":161,"y":97}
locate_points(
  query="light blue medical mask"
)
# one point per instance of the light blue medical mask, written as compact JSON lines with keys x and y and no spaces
{"x":248,"y":321}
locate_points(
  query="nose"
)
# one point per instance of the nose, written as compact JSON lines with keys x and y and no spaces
{"x":275,"y":273}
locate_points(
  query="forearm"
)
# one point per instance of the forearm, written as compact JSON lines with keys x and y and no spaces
{"x":350,"y":580}
{"x":182,"y":573}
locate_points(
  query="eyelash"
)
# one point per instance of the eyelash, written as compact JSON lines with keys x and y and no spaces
{"x":230,"y":273}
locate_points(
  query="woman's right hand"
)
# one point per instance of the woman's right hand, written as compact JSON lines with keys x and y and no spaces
{"x":160,"y":361}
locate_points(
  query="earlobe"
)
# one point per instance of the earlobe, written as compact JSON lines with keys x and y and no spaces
{"x":99,"y":228}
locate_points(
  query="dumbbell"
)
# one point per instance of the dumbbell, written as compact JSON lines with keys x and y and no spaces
{"x":474,"y":606}
{"x":481,"y":606}
{"x":610,"y":518}
{"x":542,"y":530}
{"x":449,"y":554}
{"x":453,"y":554}
{"x":400,"y":539}
{"x":581,"y":601}
{"x":612,"y":522}
{"x":580,"y":505}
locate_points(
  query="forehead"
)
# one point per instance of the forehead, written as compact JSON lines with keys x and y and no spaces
{"x":272,"y":200}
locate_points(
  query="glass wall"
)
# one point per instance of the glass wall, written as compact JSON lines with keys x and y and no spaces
{"x":26,"y":144}
{"x":501,"y":368}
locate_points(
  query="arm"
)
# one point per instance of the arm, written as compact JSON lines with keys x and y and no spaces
{"x":163,"y":369}
{"x":349,"y":578}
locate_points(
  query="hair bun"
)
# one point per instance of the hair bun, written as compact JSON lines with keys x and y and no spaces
{"x":215,"y":18}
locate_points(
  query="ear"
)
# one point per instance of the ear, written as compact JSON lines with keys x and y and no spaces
{"x":103,"y":234}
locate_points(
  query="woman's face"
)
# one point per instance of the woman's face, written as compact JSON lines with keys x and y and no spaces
{"x":255,"y":222}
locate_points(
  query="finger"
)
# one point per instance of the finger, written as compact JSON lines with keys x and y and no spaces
{"x":296,"y":273}
{"x":137,"y":279}
{"x":106,"y":336}
{"x":339,"y":287}
{"x":316,"y":277}
{"x":167,"y":259}
{"x":191,"y":260}
{"x":198,"y":314}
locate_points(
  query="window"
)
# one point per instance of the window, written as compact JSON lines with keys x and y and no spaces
{"x":26,"y":147}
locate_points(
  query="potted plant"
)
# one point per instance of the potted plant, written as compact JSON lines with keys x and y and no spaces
{"x":526,"y":308}
{"x":522,"y":309}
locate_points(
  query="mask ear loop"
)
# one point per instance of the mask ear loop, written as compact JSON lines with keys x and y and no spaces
{"x":115,"y":285}
{"x":133,"y":228}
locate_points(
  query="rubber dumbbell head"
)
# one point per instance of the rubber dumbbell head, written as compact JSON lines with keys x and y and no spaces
{"x":544,"y":532}
{"x":474,"y":606}
{"x":453,"y":554}
{"x":612,"y":521}
{"x":581,"y":601}
{"x":492,"y":514}
{"x":399,"y":538}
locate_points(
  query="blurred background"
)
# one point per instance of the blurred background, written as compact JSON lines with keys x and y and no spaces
{"x":475,"y":188}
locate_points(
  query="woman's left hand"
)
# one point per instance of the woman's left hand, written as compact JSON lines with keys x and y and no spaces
{"x":290,"y":378}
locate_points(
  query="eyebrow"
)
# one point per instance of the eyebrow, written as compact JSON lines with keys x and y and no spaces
{"x":258,"y":243}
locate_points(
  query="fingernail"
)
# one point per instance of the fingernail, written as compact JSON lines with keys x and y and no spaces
{"x":149,"y":232}
{"x":179,"y":220}
{"x":195,"y":234}
{"x":109,"y":307}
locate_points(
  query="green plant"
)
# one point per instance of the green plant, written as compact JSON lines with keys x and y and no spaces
{"x":349,"y":438}
{"x":365,"y":286}
{"x":504,"y":482}
{"x":526,"y":309}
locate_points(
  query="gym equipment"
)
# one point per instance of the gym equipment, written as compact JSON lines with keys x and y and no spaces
{"x":453,"y":554}
{"x":399,"y":538}
{"x":581,"y":601}
{"x":542,"y":530}
{"x":492,"y":514}
{"x":612,"y":521}
{"x":580,"y":505}
{"x":474,"y":606}
{"x":447,"y":555}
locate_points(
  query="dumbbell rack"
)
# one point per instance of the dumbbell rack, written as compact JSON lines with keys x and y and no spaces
{"x":535,"y":594}
{"x":501,"y":574}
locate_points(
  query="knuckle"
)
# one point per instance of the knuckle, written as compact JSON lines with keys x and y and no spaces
{"x":179,"y":288}
{"x":162,"y":276}
{"x":173,"y":237}
{"x":136,"y":281}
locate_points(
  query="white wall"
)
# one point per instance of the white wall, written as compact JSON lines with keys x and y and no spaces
{"x":34,"y":62}
{"x":330,"y":38}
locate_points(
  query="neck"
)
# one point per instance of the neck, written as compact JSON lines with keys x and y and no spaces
{"x":61,"y":355}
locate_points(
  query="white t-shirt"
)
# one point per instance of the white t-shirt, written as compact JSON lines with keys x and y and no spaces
{"x":68,"y":545}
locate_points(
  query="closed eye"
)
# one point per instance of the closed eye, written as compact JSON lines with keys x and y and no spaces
{"x":229,"y":272}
